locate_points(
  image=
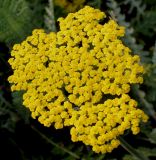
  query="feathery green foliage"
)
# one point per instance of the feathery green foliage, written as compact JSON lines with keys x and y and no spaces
{"x":146,"y":26}
{"x":37,"y":8}
{"x":135,"y":5}
{"x":150,"y":79}
{"x":15,"y":20}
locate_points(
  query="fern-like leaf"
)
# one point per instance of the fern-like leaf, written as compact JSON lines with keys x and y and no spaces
{"x":15,"y":20}
{"x":136,"y":4}
{"x":150,"y":79}
{"x":147,"y":24}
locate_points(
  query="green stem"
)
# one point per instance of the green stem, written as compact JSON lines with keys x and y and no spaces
{"x":50,"y":18}
{"x":131,"y":150}
{"x":54,"y":144}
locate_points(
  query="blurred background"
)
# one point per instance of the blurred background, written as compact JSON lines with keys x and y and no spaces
{"x":21,"y":137}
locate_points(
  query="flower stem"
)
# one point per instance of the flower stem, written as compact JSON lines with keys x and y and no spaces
{"x":131,"y":150}
{"x":50,"y":18}
{"x":55,"y":144}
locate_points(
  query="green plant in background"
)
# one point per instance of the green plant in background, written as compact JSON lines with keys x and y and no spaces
{"x":137,"y":6}
{"x":50,"y":17}
{"x":15,"y":20}
{"x":139,"y":37}
{"x":69,"y":6}
{"x":148,"y":24}
{"x":18,"y":18}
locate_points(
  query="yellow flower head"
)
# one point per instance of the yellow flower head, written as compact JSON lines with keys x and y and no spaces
{"x":80,"y":77}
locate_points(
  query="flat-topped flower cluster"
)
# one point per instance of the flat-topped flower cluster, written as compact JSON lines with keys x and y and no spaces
{"x":80,"y":77}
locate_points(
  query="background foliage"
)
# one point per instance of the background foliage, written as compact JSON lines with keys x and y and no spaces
{"x":23,"y":138}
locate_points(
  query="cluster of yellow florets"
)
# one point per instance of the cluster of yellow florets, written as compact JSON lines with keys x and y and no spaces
{"x":100,"y":125}
{"x":80,"y":77}
{"x":69,"y":5}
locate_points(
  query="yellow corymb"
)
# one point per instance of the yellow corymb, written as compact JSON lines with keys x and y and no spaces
{"x":80,"y":77}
